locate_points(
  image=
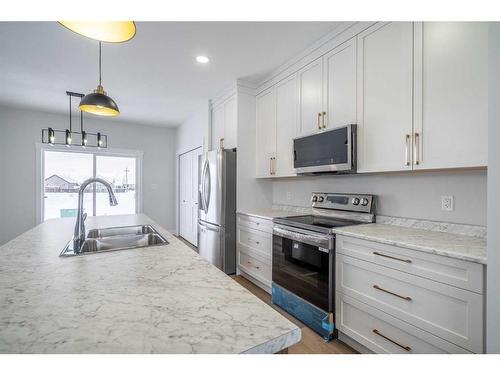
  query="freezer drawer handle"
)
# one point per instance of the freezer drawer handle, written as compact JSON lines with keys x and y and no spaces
{"x":394,"y":294}
{"x":391,"y":257}
{"x":407,"y":348}
{"x":212,"y":229}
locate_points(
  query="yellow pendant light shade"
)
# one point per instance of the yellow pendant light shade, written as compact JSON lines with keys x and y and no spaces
{"x":112,"y":31}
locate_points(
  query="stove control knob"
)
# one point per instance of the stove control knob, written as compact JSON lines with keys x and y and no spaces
{"x":315,"y":198}
{"x":355,"y":201}
{"x":321,"y":199}
{"x":364,"y":202}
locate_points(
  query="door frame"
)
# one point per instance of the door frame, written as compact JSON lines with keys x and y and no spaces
{"x":178,"y":219}
{"x":40,"y":164}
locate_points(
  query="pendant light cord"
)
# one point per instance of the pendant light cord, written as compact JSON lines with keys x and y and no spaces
{"x":100,"y":58}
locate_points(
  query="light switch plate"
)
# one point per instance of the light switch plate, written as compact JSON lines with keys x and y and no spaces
{"x":288,"y":196}
{"x":447,"y":203}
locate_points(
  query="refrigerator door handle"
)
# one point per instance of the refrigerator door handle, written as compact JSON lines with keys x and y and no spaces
{"x":203,"y":175}
{"x":207,"y":194}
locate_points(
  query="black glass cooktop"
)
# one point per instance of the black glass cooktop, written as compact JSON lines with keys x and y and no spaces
{"x":318,"y":223}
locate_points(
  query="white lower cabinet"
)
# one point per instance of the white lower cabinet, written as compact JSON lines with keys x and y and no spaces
{"x":383,"y":333}
{"x":418,"y":299}
{"x":254,"y":237}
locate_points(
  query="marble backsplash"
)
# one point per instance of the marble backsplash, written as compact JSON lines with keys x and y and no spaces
{"x":436,"y":226}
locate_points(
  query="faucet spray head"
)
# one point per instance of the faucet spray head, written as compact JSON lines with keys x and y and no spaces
{"x":112,"y":200}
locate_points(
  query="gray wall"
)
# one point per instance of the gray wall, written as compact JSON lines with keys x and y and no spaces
{"x":412,"y":194}
{"x":493,"y":274}
{"x":20,"y":130}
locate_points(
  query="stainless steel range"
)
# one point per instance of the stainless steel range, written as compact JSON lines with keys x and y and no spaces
{"x":304,"y":257}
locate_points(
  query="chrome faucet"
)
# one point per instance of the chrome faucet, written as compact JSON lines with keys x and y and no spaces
{"x":79,"y":233}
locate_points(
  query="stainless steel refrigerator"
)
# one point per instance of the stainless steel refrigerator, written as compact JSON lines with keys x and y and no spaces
{"x":217,"y":209}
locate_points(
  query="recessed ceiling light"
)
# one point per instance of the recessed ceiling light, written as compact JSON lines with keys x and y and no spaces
{"x":202,"y":59}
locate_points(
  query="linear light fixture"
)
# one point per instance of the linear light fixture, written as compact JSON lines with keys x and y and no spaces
{"x":72,"y":138}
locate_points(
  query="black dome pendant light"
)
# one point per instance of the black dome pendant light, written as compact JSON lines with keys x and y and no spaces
{"x":98,"y":102}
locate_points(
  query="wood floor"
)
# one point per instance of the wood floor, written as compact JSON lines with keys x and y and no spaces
{"x":311,"y":342}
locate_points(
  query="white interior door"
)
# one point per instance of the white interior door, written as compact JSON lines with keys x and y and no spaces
{"x":188,"y":195}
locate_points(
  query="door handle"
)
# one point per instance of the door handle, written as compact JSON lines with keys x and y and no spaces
{"x":416,"y":150}
{"x":319,"y":120}
{"x":323,"y":120}
{"x":407,"y":141}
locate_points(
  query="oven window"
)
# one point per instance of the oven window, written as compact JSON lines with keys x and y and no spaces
{"x":321,"y":149}
{"x":302,"y":269}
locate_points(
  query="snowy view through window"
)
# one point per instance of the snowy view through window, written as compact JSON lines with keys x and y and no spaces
{"x":65,"y":171}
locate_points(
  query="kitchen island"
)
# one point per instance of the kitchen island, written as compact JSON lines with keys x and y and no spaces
{"x":159,"y":299}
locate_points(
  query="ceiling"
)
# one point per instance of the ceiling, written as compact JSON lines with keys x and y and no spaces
{"x":154,"y":78}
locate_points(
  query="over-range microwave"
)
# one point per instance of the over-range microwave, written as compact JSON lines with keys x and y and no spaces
{"x":331,"y":151}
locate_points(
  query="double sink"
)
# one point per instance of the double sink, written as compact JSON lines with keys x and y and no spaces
{"x":115,"y":238}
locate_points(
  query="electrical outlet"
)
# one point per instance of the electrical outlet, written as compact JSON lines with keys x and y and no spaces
{"x":447,"y":203}
{"x":288,"y":196}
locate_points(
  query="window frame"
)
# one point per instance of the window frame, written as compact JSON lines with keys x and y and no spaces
{"x":40,"y":167}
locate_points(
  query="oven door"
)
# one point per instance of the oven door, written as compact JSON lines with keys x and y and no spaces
{"x":303,"y":263}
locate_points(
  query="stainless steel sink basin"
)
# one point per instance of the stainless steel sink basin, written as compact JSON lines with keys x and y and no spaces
{"x":92,"y":245}
{"x":121,"y":231}
{"x":116,"y":238}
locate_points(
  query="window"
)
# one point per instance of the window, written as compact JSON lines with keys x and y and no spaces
{"x":63,"y":170}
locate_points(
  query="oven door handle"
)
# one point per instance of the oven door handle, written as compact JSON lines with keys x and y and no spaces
{"x":324,"y":243}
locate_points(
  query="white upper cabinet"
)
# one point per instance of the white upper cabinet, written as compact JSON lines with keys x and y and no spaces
{"x":310,"y":97}
{"x":217,"y":126}
{"x":230,"y":122}
{"x":418,"y":93}
{"x":339,"y":91}
{"x":385,"y":97}
{"x":265,"y":133}
{"x":451,"y":86}
{"x":224,"y":124}
{"x":286,"y":125}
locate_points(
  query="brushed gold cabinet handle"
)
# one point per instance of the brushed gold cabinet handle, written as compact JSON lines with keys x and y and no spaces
{"x":270,"y":166}
{"x":407,"y":140}
{"x":319,"y":120}
{"x":407,"y":348}
{"x":323,"y":120}
{"x":392,"y":293}
{"x":391,"y":257}
{"x":416,"y":151}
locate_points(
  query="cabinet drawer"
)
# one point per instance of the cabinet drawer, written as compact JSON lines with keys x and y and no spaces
{"x":450,"y":271}
{"x":451,"y":313}
{"x":254,"y":222}
{"x":254,"y":267}
{"x":260,"y":242}
{"x":384,"y":333}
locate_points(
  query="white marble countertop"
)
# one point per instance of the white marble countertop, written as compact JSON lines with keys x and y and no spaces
{"x":162,"y":299}
{"x":451,"y":245}
{"x":269,"y":213}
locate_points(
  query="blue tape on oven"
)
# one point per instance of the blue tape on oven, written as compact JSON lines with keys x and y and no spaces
{"x":315,"y":318}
